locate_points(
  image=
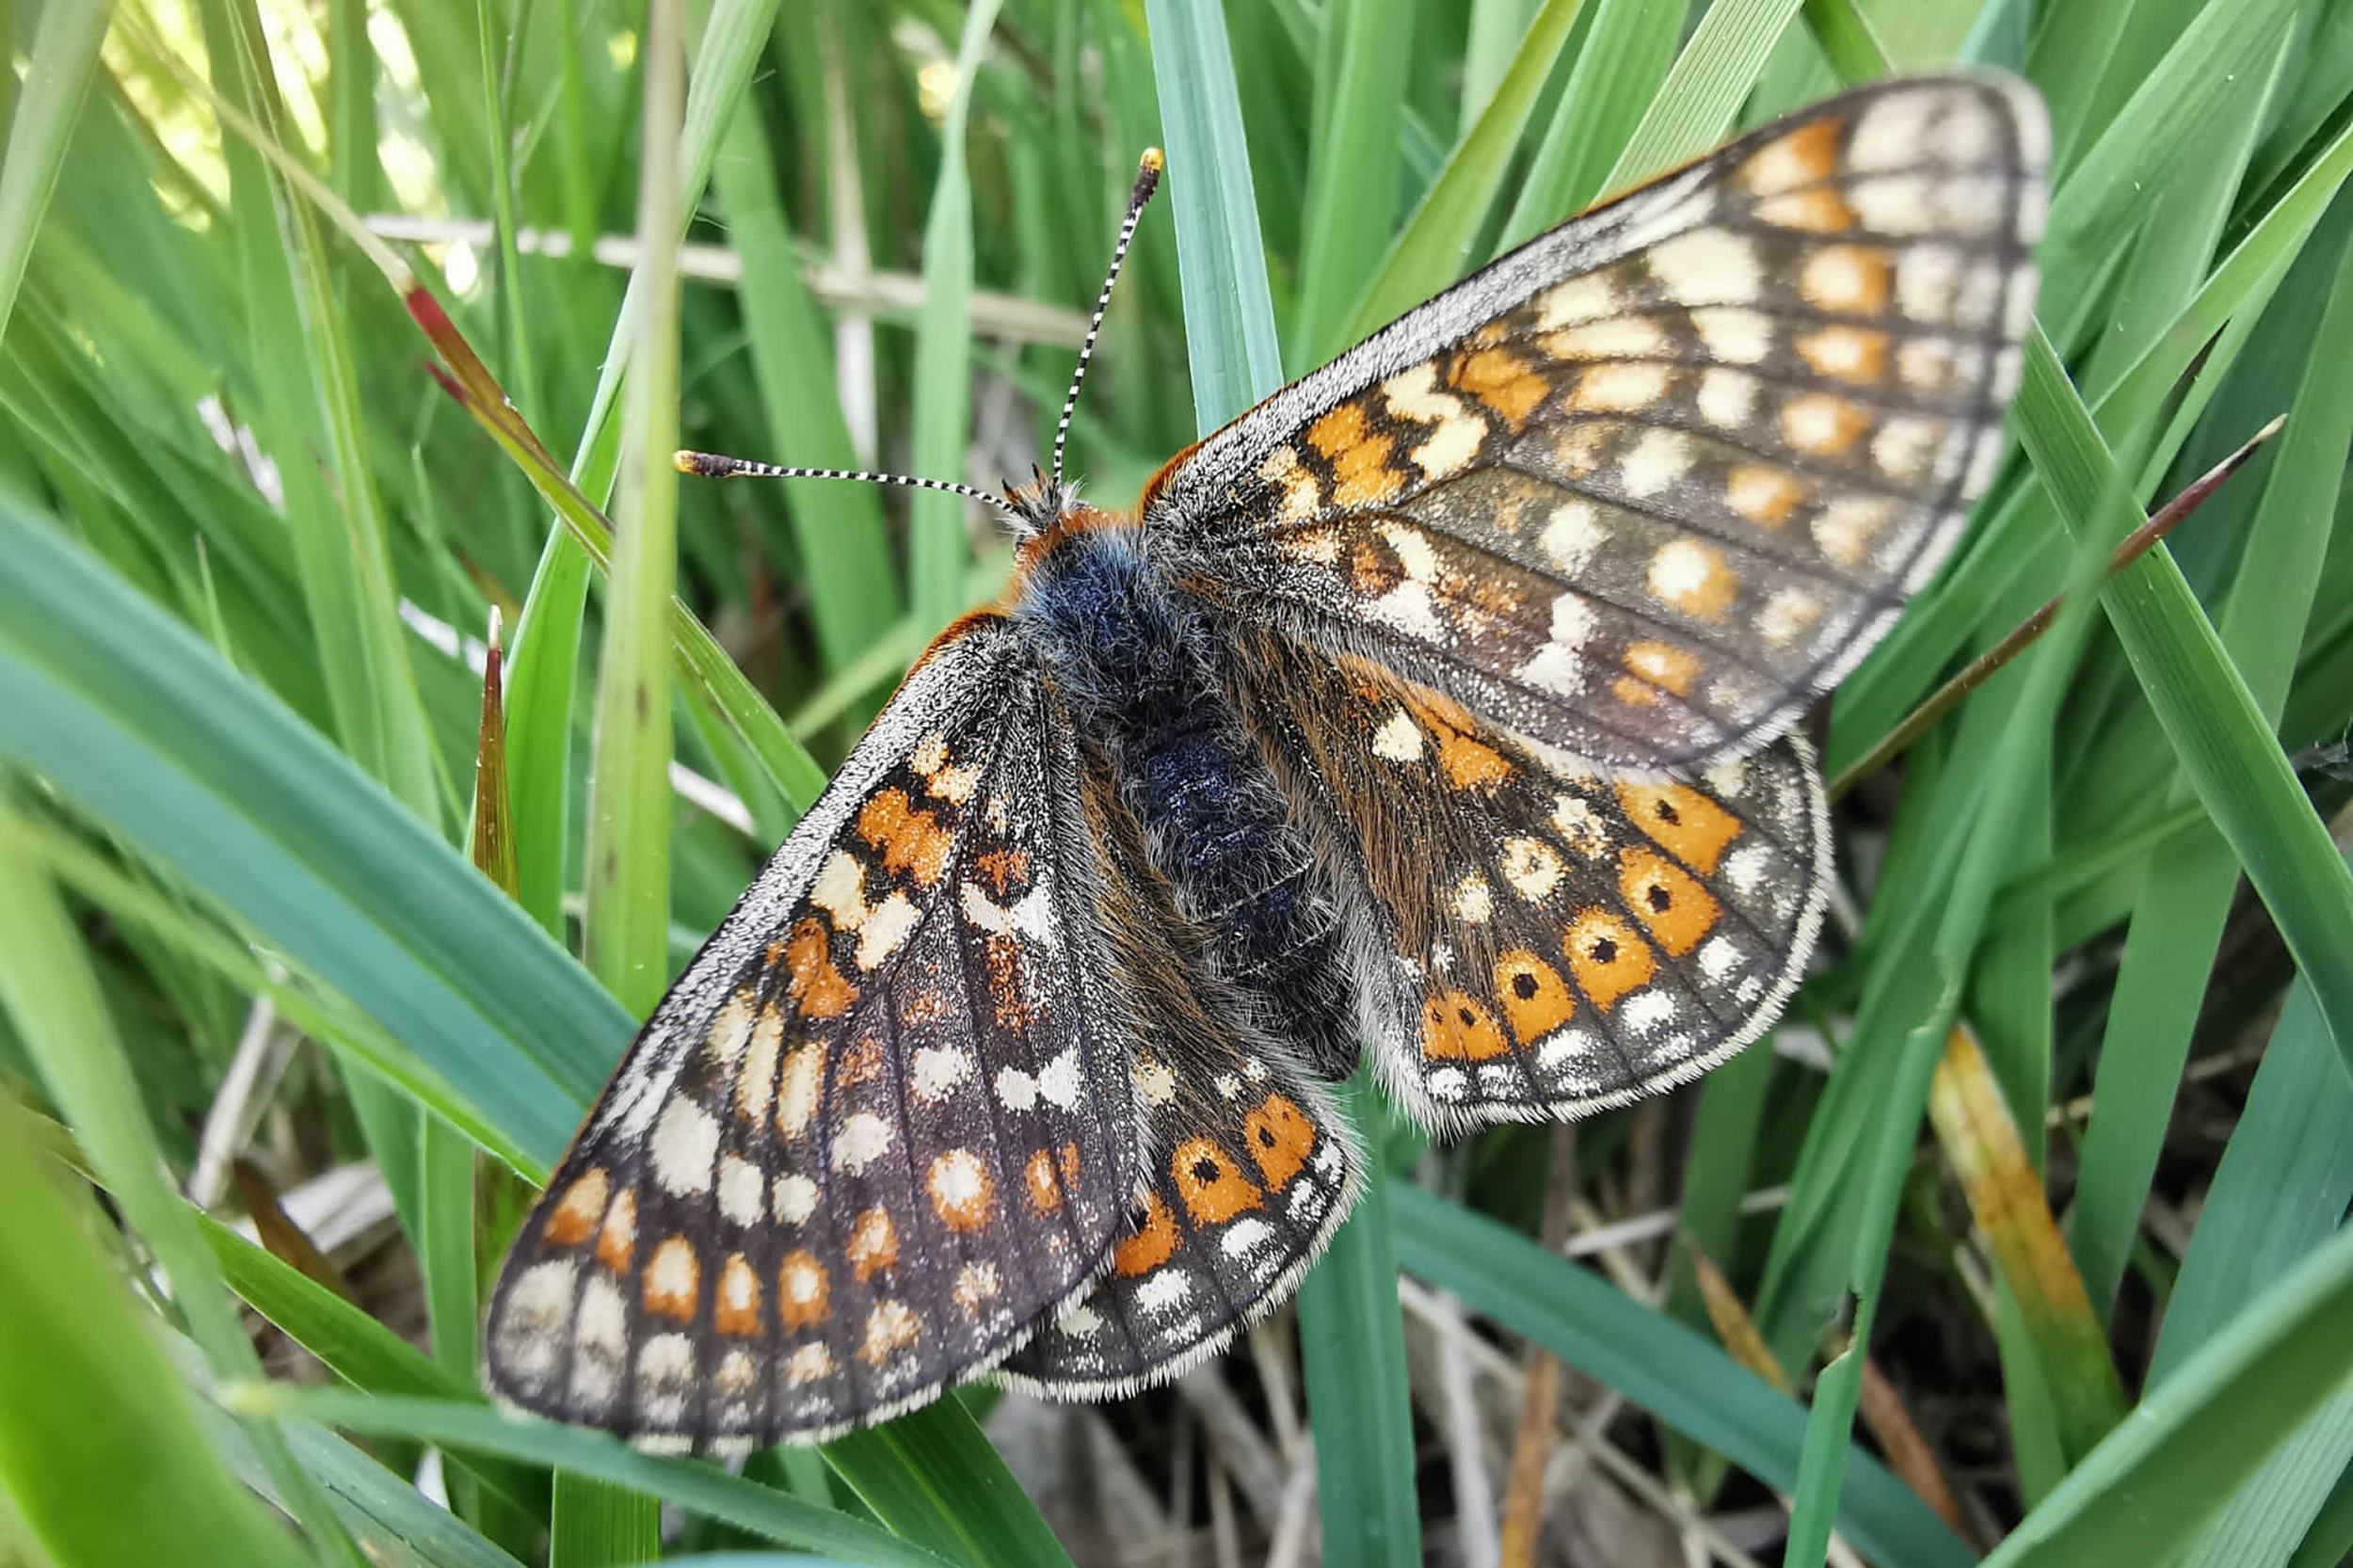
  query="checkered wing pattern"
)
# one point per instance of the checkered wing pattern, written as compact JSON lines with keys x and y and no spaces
{"x":1251,"y":1167}
{"x":883,"y":1123}
{"x":1645,"y":487}
{"x":1586,"y":940}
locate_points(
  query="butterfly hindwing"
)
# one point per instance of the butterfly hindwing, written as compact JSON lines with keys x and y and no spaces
{"x":1250,"y":1166}
{"x":1546,"y":939}
{"x":883,"y":1122}
{"x":1645,"y":487}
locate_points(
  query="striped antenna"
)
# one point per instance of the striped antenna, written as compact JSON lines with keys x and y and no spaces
{"x":1147,"y":181}
{"x":713,"y":464}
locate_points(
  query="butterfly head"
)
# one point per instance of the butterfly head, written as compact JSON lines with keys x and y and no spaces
{"x":1036,"y":508}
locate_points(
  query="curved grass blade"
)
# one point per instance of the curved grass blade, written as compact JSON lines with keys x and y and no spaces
{"x":713,"y":1492}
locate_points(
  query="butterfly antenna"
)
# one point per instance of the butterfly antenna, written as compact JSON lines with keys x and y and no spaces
{"x":1147,"y":181}
{"x":713,"y":464}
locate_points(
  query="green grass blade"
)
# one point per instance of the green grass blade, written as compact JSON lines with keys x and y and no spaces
{"x":625,"y":926}
{"x":1347,"y":1302}
{"x":698,"y":1488}
{"x":1705,"y":88}
{"x":1438,"y":241}
{"x":546,"y":657}
{"x":63,"y":58}
{"x":1354,"y":162}
{"x":1677,"y":1375}
{"x":50,"y":994}
{"x":837,"y":527}
{"x":1627,"y":49}
{"x":2281,"y":1190}
{"x":625,"y":930}
{"x":1229,"y":316}
{"x":99,"y":1444}
{"x":935,"y":1480}
{"x":131,"y":718}
{"x":2138,"y":1496}
{"x":2170,"y":948}
{"x":2215,"y":723}
{"x":937,"y":548}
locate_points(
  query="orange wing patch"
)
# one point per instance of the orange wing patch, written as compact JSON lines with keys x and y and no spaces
{"x":1211,"y":1185}
{"x":910,"y":838}
{"x":1691,"y":828}
{"x":575,"y":1215}
{"x":1534,"y":998}
{"x":1364,"y":461}
{"x":1153,"y":1244}
{"x":817,"y":988}
{"x":1281,"y":1137}
{"x":1606,"y":957}
{"x":1457,"y":1027}
{"x":802,"y":1290}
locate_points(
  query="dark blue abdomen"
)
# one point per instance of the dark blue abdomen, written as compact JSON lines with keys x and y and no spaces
{"x":1138,"y":668}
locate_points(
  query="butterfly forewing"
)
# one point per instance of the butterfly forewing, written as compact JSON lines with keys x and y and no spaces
{"x":883,"y":1122}
{"x":1547,"y":940}
{"x":1250,"y":1166}
{"x":1647,"y":486}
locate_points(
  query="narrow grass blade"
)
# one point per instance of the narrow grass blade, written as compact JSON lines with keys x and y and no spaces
{"x":493,"y":833}
{"x":836,"y":528}
{"x":1439,"y":239}
{"x":1628,"y":48}
{"x":2226,"y":746}
{"x":938,"y":549}
{"x":137,"y":722}
{"x":933,"y":1478}
{"x":52,"y":1001}
{"x":1229,"y":317}
{"x":2281,"y":1190}
{"x":625,"y":929}
{"x":100,"y":1449}
{"x":1347,"y":1306}
{"x":2170,"y":945}
{"x":626,"y":878}
{"x":62,"y":61}
{"x":547,"y":634}
{"x":1353,"y":164}
{"x":1705,"y":88}
{"x":1981,"y":1144}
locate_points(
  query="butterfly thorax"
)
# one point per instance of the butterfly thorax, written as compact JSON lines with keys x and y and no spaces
{"x":1133,"y":659}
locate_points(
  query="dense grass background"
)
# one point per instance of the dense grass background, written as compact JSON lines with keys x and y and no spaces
{"x":2061,"y":1132}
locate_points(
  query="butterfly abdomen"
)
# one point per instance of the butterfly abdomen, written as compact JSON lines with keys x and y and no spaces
{"x":1135,"y":664}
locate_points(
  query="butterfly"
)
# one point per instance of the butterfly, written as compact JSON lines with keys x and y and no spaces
{"x":1441,"y":706}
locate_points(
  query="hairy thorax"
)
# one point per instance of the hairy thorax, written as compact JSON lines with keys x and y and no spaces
{"x":1135,"y":661}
